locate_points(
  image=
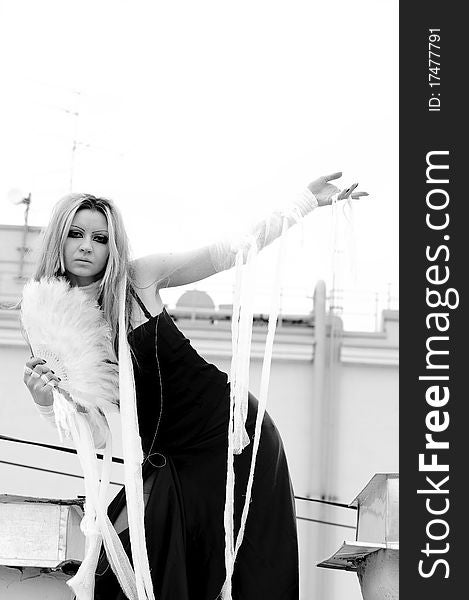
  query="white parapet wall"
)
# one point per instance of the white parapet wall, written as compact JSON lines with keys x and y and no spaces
{"x":41,"y":546}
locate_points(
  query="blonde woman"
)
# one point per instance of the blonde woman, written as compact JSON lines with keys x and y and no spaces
{"x":183,"y":411}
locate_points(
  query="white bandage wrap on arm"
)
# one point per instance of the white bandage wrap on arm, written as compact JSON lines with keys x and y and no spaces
{"x":223,"y":253}
{"x":47,"y":413}
{"x":305,"y":202}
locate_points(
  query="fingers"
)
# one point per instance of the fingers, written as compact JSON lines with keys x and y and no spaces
{"x":49,"y":379}
{"x":40,"y":375}
{"x":33,"y":361}
{"x":357,"y":195}
{"x":346,"y":193}
{"x":333,"y":176}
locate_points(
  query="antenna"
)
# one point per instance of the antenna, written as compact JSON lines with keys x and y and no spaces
{"x":75,"y":115}
{"x":17,"y":197}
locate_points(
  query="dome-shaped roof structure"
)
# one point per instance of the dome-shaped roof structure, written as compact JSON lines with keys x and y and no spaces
{"x":195,"y":299}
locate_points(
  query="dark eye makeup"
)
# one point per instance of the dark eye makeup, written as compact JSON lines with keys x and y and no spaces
{"x":101,"y":238}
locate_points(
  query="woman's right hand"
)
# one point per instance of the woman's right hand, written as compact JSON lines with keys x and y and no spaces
{"x":40,"y":380}
{"x":324,"y":191}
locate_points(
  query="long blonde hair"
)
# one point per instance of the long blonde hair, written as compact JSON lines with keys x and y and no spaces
{"x":51,"y":258}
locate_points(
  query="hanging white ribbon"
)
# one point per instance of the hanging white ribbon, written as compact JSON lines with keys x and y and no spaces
{"x":241,"y":333}
{"x":241,"y":340}
{"x":95,"y":524}
{"x":133,"y":458}
{"x":241,"y":343}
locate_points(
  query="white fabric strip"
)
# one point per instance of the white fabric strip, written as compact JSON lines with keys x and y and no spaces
{"x":243,"y":351}
{"x":229,"y":493}
{"x":239,"y":307}
{"x":47,"y":413}
{"x":95,"y":524}
{"x":238,"y":438}
{"x":265,"y":379}
{"x":133,"y":458}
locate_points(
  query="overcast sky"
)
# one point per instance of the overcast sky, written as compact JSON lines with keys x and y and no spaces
{"x":198,"y":117}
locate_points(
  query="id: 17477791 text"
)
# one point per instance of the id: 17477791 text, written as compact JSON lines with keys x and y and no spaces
{"x":434,"y":56}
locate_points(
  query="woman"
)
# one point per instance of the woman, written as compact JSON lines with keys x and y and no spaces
{"x":183,"y":411}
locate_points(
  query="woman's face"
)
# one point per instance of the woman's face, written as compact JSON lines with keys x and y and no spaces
{"x":86,"y":248}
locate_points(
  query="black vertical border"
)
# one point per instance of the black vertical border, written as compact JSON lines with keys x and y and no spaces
{"x":422,"y":131}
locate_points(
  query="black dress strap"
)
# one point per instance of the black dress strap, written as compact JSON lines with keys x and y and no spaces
{"x":140,"y":303}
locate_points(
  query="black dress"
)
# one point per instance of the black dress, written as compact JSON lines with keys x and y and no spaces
{"x":187,"y":400}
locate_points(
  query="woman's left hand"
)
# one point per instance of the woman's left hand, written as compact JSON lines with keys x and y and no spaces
{"x":323,"y":190}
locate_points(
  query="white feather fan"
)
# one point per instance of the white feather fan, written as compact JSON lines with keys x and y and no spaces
{"x":67,"y":330}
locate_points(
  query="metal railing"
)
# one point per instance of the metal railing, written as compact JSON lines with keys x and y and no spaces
{"x":359,"y":310}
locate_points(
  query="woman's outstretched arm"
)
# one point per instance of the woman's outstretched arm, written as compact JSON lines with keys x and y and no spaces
{"x":180,"y":268}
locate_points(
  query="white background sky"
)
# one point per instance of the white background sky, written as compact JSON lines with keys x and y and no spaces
{"x":198,"y":117}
